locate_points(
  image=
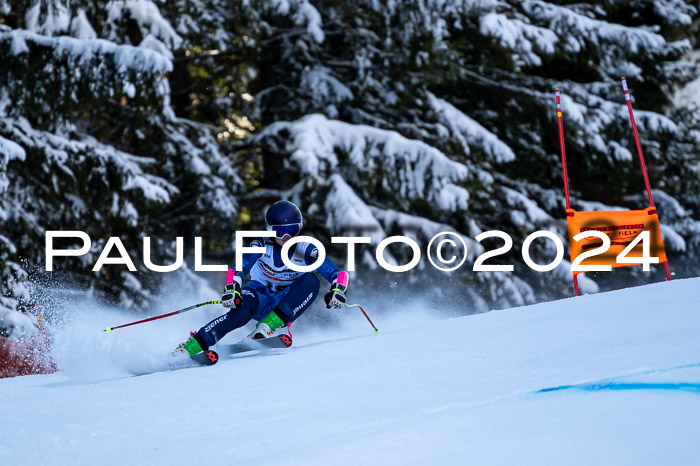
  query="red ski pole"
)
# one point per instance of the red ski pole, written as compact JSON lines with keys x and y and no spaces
{"x":342,"y":278}
{"x":206,"y":303}
{"x":376,"y":330}
{"x":636,"y":140}
{"x":229,"y":280}
{"x":563,"y":164}
{"x":641,"y":157}
{"x":563,"y":151}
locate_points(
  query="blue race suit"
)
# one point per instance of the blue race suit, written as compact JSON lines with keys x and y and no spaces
{"x":272,"y":286}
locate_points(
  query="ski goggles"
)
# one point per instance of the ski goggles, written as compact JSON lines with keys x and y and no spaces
{"x":283,"y":230}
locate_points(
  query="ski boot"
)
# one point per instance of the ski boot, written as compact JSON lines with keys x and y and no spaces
{"x":194,"y":345}
{"x":267,"y":326}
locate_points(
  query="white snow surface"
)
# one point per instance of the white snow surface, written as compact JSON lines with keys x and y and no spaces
{"x":620,"y":373}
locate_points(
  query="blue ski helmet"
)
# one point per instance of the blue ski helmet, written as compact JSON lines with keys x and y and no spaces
{"x":284,"y":218}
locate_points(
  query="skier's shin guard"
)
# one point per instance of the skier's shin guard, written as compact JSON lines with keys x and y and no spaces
{"x":302,"y":293}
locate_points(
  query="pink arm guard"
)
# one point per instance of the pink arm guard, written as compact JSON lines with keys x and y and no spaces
{"x":342,"y":278}
{"x":229,"y":276}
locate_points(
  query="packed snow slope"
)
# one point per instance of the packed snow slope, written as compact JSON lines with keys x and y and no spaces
{"x":612,"y":378}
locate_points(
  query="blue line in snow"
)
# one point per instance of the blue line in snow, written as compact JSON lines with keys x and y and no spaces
{"x":594,"y":387}
{"x":616,"y":384}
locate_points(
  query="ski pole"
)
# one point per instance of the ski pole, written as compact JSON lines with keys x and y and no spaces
{"x":376,"y":330}
{"x":342,"y":279}
{"x":206,"y":303}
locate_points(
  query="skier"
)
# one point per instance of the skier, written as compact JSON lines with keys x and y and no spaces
{"x":275,"y":295}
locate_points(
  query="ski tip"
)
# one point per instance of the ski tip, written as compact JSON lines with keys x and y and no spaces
{"x":206,"y":358}
{"x":287,"y":340}
{"x":213,"y":356}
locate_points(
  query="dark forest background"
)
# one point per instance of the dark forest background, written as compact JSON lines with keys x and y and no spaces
{"x":188,"y":118}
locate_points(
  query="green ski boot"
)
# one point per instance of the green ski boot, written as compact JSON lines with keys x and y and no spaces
{"x":192,"y":346}
{"x":267,"y":326}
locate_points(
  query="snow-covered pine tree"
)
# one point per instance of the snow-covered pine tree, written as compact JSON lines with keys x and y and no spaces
{"x":90,"y":142}
{"x":379,"y":117}
{"x":12,"y":274}
{"x":416,"y":116}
